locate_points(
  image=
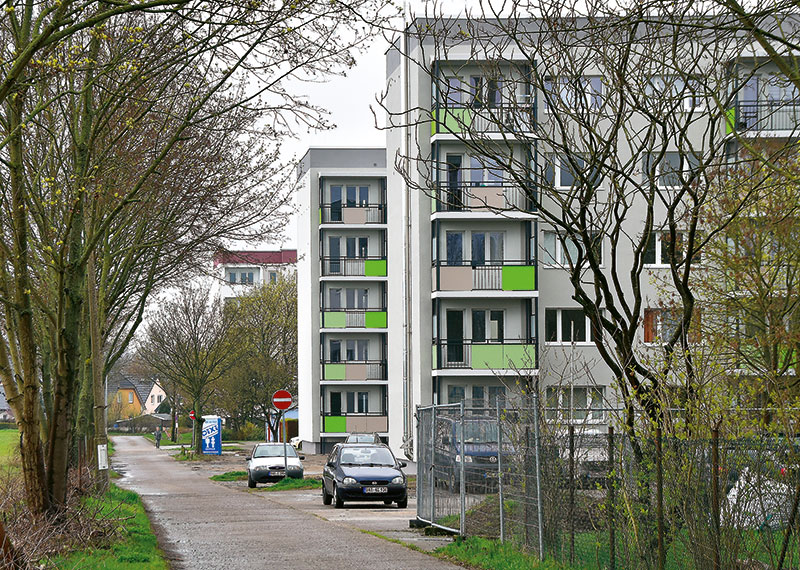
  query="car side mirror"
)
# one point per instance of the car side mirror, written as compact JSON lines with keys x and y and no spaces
{"x":401,"y":464}
{"x":302,"y":458}
{"x":248,"y":458}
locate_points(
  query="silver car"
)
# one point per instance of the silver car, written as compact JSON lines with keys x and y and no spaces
{"x":267,"y":463}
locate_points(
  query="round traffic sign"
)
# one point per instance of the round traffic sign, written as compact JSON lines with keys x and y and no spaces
{"x":191,"y":415}
{"x":282,"y":400}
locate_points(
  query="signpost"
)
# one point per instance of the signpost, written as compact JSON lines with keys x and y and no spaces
{"x":192,"y":417}
{"x":282,"y":400}
{"x":212,"y":435}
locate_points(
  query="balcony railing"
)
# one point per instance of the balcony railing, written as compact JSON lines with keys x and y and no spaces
{"x":505,"y":118}
{"x":353,"y":370}
{"x":506,"y":275}
{"x":353,"y":318}
{"x":767,"y":116}
{"x":374,"y":266}
{"x":481,"y":197}
{"x":367,"y":422}
{"x":361,"y":214}
{"x":466,"y":354}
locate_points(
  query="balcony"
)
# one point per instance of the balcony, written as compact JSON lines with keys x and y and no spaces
{"x":466,"y":355}
{"x":508,"y":275}
{"x":353,"y":318}
{"x":765,"y":117}
{"x":355,"y":423}
{"x":481,"y":197}
{"x":352,"y":214}
{"x":508,"y":119}
{"x":357,"y":371}
{"x":354,"y":266}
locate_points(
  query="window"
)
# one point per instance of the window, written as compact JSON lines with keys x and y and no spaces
{"x":350,"y":353}
{"x":273,"y":276}
{"x":485,"y":91}
{"x":335,"y":296}
{"x":657,"y":249}
{"x":351,"y":197}
{"x":496,"y":329}
{"x":495,"y":326}
{"x":495,"y":393}
{"x":130,"y":397}
{"x":477,"y":395}
{"x":363,"y":402}
{"x":660,"y":324}
{"x":576,"y":403}
{"x":496,"y":250}
{"x":560,"y":251}
{"x":119,"y":398}
{"x":485,"y":171}
{"x":363,"y":195}
{"x":336,"y":351}
{"x":574,"y":92}
{"x":780,"y":89}
{"x":455,"y":248}
{"x":664,"y":87}
{"x":357,"y":350}
{"x":455,"y":394}
{"x":668,"y":170}
{"x":351,"y":402}
{"x":357,"y":298}
{"x":453,"y":92}
{"x":160,"y":398}
{"x":246,"y":277}
{"x":232,"y":277}
{"x":336,"y":203}
{"x":571,"y":171}
{"x":567,"y":325}
{"x":152,"y":399}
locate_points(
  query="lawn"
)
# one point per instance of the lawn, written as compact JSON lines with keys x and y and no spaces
{"x":137,"y":547}
{"x":9,"y":443}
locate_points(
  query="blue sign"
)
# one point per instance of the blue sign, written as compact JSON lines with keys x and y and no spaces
{"x":212,"y":435}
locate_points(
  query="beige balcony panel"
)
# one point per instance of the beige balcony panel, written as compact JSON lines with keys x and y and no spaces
{"x":488,"y":197}
{"x":455,"y":278}
{"x":356,"y":371}
{"x":377,"y":423}
{"x":354,"y":215}
{"x":357,"y":424}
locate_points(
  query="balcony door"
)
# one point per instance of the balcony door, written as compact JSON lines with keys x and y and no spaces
{"x":455,"y":199}
{"x":336,"y":203}
{"x":455,"y":335}
{"x":336,"y":404}
{"x":334,"y":255}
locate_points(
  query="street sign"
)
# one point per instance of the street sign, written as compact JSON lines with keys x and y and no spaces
{"x":192,"y":416}
{"x":212,"y":435}
{"x":282,"y":400}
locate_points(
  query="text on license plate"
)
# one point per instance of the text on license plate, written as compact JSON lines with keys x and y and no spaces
{"x":370,"y":490}
{"x":276,"y":473}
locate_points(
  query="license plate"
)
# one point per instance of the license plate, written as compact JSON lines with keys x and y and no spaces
{"x":277,"y":473}
{"x":376,"y":490}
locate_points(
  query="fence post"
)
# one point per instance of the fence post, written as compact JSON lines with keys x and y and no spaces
{"x":571,"y":494}
{"x":612,"y":546}
{"x":433,"y":464}
{"x":537,"y":455}
{"x":660,"y":501}
{"x":715,"y":494}
{"x":462,"y":489}
{"x":500,"y":473}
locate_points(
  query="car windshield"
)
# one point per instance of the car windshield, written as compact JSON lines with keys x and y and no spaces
{"x":360,"y":438}
{"x":479,"y":432}
{"x":275,"y":450}
{"x":367,"y":456}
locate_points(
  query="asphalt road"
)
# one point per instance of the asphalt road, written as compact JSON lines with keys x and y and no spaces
{"x":205,"y":525}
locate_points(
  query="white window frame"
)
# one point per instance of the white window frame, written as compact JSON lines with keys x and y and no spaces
{"x":592,"y":100}
{"x":659,"y":248}
{"x":565,"y":396}
{"x":560,"y":341}
{"x":559,"y":259}
{"x":657,"y":87}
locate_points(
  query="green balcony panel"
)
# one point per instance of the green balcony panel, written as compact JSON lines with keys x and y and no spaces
{"x":730,"y":120}
{"x":334,"y":424}
{"x":451,"y":120}
{"x":502,"y":356}
{"x":335,"y":372}
{"x":375,"y":319}
{"x":434,"y":364}
{"x":375,"y":268}
{"x":519,"y":278}
{"x":334,"y":320}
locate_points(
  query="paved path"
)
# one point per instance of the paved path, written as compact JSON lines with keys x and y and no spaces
{"x":203,"y":525}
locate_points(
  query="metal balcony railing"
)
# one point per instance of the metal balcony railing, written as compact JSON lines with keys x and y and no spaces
{"x":370,"y":266}
{"x":484,"y":275}
{"x":507,"y":118}
{"x":480,"y":196}
{"x":353,"y":214}
{"x":768,"y":116}
{"x":354,"y":318}
{"x":488,"y":355}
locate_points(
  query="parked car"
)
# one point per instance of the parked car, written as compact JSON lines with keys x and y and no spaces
{"x":363,"y":472}
{"x":266,"y":463}
{"x":363,"y":438}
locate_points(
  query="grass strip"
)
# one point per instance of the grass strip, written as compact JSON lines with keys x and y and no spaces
{"x":230,"y":476}
{"x":492,"y":554}
{"x":137,"y":548}
{"x":290,"y":484}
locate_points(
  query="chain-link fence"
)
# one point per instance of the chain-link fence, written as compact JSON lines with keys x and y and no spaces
{"x":586,"y":496}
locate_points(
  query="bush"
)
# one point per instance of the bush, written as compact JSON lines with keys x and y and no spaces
{"x":250,"y":432}
{"x":8,"y":425}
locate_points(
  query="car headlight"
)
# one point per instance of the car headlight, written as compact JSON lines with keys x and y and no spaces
{"x":467,"y":459}
{"x":397,"y":480}
{"x":348,"y":481}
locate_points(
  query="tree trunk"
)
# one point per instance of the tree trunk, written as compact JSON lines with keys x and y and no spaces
{"x":100,"y":428}
{"x":198,"y":428}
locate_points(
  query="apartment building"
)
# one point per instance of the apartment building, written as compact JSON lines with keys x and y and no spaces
{"x":234,"y":271}
{"x":474,"y":297}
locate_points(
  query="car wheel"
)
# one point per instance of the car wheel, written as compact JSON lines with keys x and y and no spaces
{"x":402,"y":503}
{"x":250,"y":482}
{"x":326,"y":498}
{"x":338,"y":498}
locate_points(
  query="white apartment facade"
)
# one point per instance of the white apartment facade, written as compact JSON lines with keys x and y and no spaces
{"x":235,"y":271}
{"x":475,"y":292}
